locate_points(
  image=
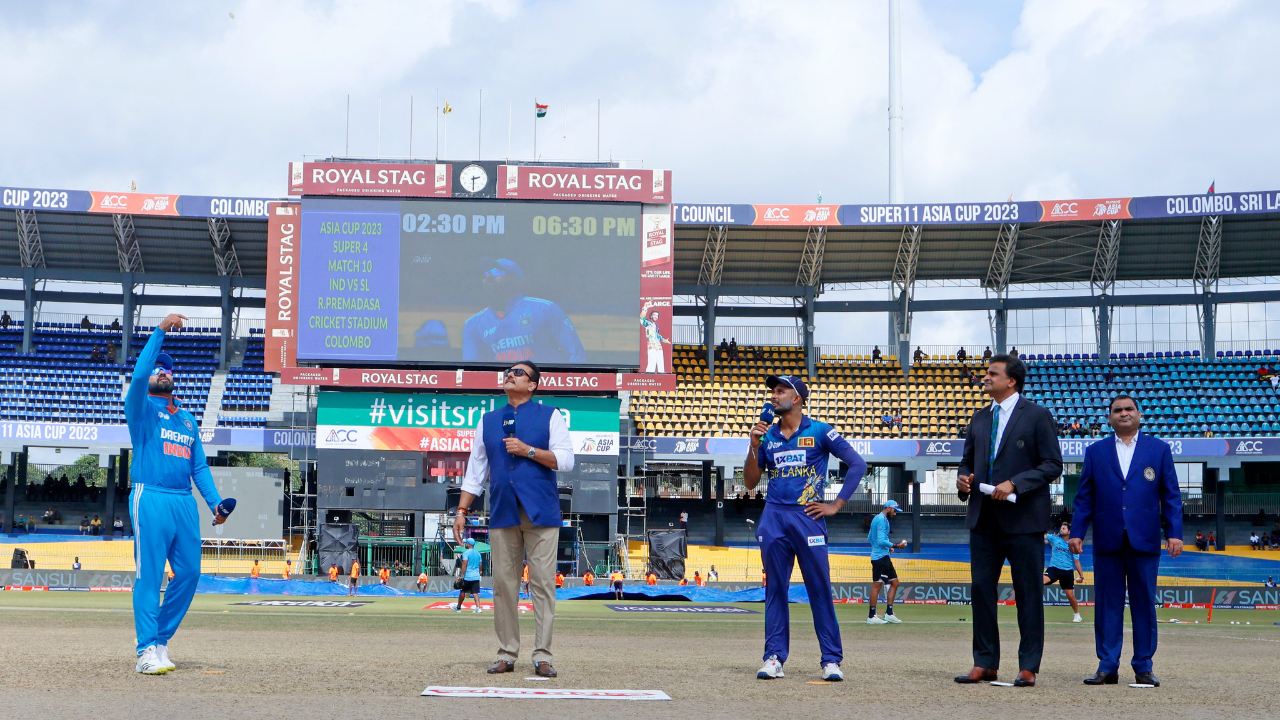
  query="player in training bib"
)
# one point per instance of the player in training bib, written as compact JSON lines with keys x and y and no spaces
{"x":516,"y":327}
{"x":167,"y":457}
{"x":793,"y":525}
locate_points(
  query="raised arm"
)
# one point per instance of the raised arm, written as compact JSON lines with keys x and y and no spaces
{"x":135,"y":401}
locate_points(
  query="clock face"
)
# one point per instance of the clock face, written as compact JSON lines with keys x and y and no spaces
{"x":473,"y":178}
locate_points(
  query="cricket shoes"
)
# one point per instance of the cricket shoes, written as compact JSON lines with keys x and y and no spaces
{"x":1077,"y":618}
{"x":149,"y":663}
{"x":477,"y":610}
{"x":162,"y":654}
{"x":877,"y":620}
{"x":457,"y":608}
{"x":772,"y":669}
{"x":891,"y":618}
{"x":831,"y":673}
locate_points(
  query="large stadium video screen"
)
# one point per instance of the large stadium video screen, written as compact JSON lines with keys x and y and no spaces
{"x":469,"y":281}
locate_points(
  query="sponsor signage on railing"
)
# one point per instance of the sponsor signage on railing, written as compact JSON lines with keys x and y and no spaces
{"x":133,"y":203}
{"x":970,"y":213}
{"x":458,"y":379}
{"x":951,"y":448}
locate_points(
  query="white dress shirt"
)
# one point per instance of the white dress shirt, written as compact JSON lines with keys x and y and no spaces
{"x":478,"y":464}
{"x":1006,"y":410}
{"x":1125,"y":454}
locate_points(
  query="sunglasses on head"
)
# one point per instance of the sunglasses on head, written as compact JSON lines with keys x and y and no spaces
{"x":517,"y":372}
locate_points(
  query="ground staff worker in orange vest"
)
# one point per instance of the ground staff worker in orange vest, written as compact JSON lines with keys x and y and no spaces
{"x":255,"y":571}
{"x":615,"y":579}
{"x":651,"y":579}
{"x":355,"y":578}
{"x":589,"y":579}
{"x":559,"y":580}
{"x":383,"y":575}
{"x":422,"y":582}
{"x":288,"y":570}
{"x":333,"y":573}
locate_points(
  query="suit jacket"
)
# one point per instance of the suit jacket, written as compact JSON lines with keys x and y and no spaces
{"x":1137,"y":503}
{"x":1028,"y":455}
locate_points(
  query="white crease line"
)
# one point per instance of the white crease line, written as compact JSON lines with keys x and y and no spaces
{"x":1224,"y":637}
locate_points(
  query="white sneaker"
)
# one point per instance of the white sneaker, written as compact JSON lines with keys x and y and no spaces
{"x":457,"y":608}
{"x":1077,"y":618}
{"x":477,"y":610}
{"x":877,"y":620}
{"x":149,"y":664}
{"x":772,"y":669}
{"x":162,"y":654}
{"x":831,"y":673}
{"x":891,"y":618}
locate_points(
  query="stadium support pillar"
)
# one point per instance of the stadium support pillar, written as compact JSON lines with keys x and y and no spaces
{"x":1002,"y":331}
{"x":20,"y":462}
{"x":810,"y":361}
{"x":1209,"y":329}
{"x":1104,"y":328}
{"x":719,"y":480}
{"x":126,"y":320}
{"x":10,"y":494}
{"x":28,"y":307}
{"x":228,"y":313}
{"x":709,"y":331}
{"x":1220,"y":476}
{"x":915,"y":511}
{"x":902,"y":334}
{"x":109,"y":509}
{"x":706,"y":480}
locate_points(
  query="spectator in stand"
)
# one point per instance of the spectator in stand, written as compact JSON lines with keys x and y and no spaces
{"x":115,"y":324}
{"x":615,"y":578}
{"x":1275,"y":382}
{"x":1202,"y":543}
{"x":1254,"y":541}
{"x":1109,"y":376}
{"x":95,"y":355}
{"x":255,"y":572}
{"x":875,"y":354}
{"x":733,"y":349}
{"x":961,"y":355}
{"x":684,"y":521}
{"x":740,"y":503}
{"x":559,"y":579}
{"x":589,"y":578}
{"x":422,"y":581}
{"x":722,"y":349}
{"x":85,"y":324}
{"x":20,"y":524}
{"x":986,"y":355}
{"x":712,"y":575}
{"x":1270,"y":582}
{"x":5,"y":320}
{"x":918,"y":356}
{"x":84,"y":525}
{"x":1013,"y":352}
{"x":117,"y":526}
{"x":95,"y":526}
{"x":1265,"y":372}
{"x":48,"y":516}
{"x":31,"y":523}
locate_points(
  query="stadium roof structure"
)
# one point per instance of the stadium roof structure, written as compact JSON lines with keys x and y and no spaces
{"x":725,"y":251}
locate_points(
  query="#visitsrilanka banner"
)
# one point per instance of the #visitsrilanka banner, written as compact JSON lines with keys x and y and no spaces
{"x":447,"y":423}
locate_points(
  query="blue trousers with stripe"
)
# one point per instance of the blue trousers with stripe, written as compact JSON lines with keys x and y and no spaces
{"x":786,"y":535}
{"x":166,"y":526}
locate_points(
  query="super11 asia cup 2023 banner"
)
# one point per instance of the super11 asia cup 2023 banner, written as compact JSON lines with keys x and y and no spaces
{"x":447,"y":423}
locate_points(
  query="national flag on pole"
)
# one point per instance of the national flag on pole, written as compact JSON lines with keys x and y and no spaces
{"x":1211,"y":185}
{"x":447,"y":108}
{"x":541,"y":110}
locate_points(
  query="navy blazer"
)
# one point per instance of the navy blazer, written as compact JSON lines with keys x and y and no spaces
{"x":1133,"y":503}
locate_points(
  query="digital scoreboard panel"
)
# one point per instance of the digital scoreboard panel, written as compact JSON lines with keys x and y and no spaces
{"x":470,"y":282}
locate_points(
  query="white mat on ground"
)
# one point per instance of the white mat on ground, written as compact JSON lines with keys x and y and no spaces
{"x":542,"y":693}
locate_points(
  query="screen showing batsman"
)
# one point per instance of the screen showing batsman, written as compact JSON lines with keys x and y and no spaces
{"x":167,"y":457}
{"x":793,"y":525}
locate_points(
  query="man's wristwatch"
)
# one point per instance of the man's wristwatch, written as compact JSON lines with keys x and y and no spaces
{"x":533,"y":452}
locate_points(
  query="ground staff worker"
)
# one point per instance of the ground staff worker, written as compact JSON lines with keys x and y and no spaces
{"x":1127,"y":488}
{"x":168,"y":457}
{"x":517,"y":451}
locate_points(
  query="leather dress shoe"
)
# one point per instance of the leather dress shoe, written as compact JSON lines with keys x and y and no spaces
{"x":1025,"y":678}
{"x":544,"y":669}
{"x":502,"y":666}
{"x":976,"y":675}
{"x":1147,"y":678}
{"x":1102,"y":678}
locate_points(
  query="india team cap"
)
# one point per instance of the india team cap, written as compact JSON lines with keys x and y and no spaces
{"x":498,"y":267}
{"x":790,"y":381}
{"x":469,"y":541}
{"x":163,"y":360}
{"x":892,"y":504}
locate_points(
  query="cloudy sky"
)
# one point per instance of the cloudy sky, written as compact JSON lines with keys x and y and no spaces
{"x":744,"y":101}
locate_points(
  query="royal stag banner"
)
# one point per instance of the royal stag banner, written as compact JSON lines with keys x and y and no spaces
{"x":447,"y":423}
{"x":657,"y":267}
{"x":280,"y":343}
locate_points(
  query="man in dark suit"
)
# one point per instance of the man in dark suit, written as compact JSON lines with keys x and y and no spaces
{"x":1011,"y":445}
{"x":1128,"y":490}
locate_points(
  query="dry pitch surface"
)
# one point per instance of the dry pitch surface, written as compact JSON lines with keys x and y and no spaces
{"x":70,"y":655}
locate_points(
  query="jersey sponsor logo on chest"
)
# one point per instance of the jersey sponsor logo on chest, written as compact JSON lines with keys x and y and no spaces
{"x":790,"y":458}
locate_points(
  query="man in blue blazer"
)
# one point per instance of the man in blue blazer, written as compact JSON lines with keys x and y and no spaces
{"x":1128,"y":490}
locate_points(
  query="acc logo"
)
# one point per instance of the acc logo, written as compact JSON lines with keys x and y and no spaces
{"x":338,"y":436}
{"x":1249,"y":447}
{"x":938,"y":448}
{"x":777,"y":213}
{"x":1065,"y":208}
{"x":114,"y":202}
{"x":804,"y":442}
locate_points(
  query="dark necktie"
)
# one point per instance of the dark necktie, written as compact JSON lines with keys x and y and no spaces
{"x":995,"y":429}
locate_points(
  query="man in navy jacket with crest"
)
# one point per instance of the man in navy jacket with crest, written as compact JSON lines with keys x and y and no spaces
{"x":1129,"y":493}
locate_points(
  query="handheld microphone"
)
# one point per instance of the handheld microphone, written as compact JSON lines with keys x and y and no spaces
{"x":509,"y":422}
{"x":766,"y":415}
{"x":224,"y":508}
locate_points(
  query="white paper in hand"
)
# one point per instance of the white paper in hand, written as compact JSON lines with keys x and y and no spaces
{"x":988,"y":489}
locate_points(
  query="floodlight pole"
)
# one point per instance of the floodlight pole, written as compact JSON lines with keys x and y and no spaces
{"x":895,"y":102}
